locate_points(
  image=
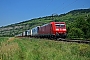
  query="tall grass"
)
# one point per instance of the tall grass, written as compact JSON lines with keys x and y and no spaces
{"x":41,"y":49}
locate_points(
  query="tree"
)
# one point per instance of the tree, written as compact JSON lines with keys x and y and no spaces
{"x":81,"y":26}
{"x":75,"y":33}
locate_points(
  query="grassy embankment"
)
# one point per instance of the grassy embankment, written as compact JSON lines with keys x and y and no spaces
{"x":41,"y":49}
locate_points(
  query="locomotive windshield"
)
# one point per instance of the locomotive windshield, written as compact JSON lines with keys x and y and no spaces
{"x":60,"y":25}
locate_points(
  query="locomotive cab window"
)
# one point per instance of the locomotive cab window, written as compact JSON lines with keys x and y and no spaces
{"x":60,"y":25}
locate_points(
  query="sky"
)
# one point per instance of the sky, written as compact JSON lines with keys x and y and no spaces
{"x":15,"y":11}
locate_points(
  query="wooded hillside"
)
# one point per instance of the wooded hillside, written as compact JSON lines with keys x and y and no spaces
{"x":77,"y":21}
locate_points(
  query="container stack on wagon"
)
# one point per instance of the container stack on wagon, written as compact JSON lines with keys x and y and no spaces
{"x":35,"y":31}
{"x":28,"y":33}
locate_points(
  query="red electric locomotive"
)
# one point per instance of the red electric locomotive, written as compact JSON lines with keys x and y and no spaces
{"x":53,"y":30}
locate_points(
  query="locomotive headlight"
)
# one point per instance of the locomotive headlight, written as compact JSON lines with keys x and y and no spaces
{"x":57,"y":29}
{"x":64,"y":29}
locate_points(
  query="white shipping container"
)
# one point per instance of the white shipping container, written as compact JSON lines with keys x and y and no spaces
{"x":35,"y":31}
{"x":28,"y":32}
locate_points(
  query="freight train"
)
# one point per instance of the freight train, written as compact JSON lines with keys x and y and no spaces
{"x":50,"y":30}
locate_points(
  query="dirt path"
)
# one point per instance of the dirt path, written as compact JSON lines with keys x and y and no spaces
{"x":7,"y":50}
{"x":10,"y":39}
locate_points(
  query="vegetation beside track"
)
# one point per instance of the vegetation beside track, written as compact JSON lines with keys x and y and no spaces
{"x":41,"y":49}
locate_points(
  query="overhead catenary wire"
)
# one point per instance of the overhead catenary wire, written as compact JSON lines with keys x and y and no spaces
{"x":67,"y":5}
{"x":58,"y":7}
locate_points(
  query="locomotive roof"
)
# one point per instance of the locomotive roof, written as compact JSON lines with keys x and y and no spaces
{"x":57,"y":22}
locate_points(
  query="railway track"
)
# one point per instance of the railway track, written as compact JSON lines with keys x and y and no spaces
{"x":68,"y":40}
{"x":78,"y":41}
